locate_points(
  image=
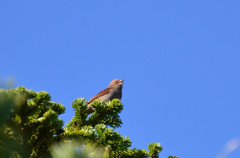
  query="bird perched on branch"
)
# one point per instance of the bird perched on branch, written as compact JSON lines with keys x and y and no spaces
{"x":113,"y":91}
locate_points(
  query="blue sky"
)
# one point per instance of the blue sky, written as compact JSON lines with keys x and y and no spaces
{"x":179,"y":59}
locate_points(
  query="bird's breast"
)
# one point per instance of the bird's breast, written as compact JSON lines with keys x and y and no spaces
{"x":116,"y":94}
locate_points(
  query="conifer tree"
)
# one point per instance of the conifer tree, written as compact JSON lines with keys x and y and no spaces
{"x":30,"y":127}
{"x":29,"y":124}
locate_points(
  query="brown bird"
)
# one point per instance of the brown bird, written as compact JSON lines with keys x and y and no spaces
{"x":113,"y":91}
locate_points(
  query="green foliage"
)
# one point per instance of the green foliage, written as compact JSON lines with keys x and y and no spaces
{"x":154,"y":148}
{"x":80,"y":111}
{"x":30,"y":125}
{"x":76,"y":150}
{"x":31,"y":122}
{"x":93,"y":129}
{"x":7,"y":139}
{"x":106,"y":113}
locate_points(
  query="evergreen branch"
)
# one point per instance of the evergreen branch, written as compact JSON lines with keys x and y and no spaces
{"x":106,"y":113}
{"x":80,"y":107}
{"x":154,"y":149}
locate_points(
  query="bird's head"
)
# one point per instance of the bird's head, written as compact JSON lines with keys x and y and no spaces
{"x":116,"y":83}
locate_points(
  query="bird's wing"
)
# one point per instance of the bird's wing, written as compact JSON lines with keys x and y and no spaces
{"x":103,"y":92}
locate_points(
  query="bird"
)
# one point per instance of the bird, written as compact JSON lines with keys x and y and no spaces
{"x":113,"y":91}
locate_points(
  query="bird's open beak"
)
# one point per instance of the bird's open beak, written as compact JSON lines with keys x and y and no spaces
{"x":122,"y":81}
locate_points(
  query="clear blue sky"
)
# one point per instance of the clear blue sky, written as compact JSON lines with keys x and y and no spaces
{"x":180,"y":60}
